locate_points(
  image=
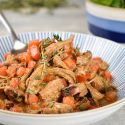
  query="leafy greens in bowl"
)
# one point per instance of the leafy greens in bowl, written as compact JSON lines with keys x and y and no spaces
{"x":111,"y":3}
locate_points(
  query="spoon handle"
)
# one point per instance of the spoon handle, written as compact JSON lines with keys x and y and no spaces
{"x":8,"y":26}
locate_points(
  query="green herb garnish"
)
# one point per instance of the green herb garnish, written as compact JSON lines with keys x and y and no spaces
{"x":43,"y":84}
{"x":30,"y":91}
{"x":51,"y":104}
{"x":75,"y":51}
{"x":37,"y":77}
{"x":81,"y":108}
{"x":57,"y":37}
{"x":46,"y":42}
{"x":43,"y":57}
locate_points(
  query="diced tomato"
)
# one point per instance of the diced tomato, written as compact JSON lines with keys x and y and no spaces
{"x":31,"y":64}
{"x":27,"y":70}
{"x":97,"y":59}
{"x":34,"y":106}
{"x":16,"y":108}
{"x":21,"y":71}
{"x":49,"y":77}
{"x":28,"y":57}
{"x":111,"y":96}
{"x":108,"y":75}
{"x":25,"y":56}
{"x":3,"y":71}
{"x":69,"y":100}
{"x":95,"y":67}
{"x":81,"y":78}
{"x":70,"y":62}
{"x":68,"y":48}
{"x":33,"y":99}
{"x":11,"y":71}
{"x":33,"y":49}
{"x":35,"y":52}
{"x":6,"y":54}
{"x":2,"y":104}
{"x":33,"y":43}
{"x":14,"y":82}
{"x":88,"y":75}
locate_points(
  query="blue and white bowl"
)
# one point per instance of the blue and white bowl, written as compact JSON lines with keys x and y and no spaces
{"x":110,"y":51}
{"x":107,"y":22}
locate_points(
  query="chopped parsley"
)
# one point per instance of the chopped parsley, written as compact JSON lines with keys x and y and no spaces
{"x":38,"y":77}
{"x":51,"y":104}
{"x":57,"y":37}
{"x":43,"y":56}
{"x":30,"y":91}
{"x":76,"y":52}
{"x":45,"y":71}
{"x":46,"y":42}
{"x":43,"y":84}
{"x":81,"y":108}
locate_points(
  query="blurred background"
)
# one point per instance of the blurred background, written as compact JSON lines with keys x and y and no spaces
{"x":49,"y":15}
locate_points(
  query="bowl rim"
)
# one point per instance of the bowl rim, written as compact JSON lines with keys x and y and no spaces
{"x":121,"y":101}
{"x":109,"y":106}
{"x":66,"y":32}
{"x":105,"y":11}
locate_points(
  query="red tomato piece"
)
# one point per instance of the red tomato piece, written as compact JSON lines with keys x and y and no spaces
{"x":11,"y":71}
{"x":95,"y":67}
{"x":108,"y":75}
{"x":33,"y":49}
{"x":16,"y":108}
{"x":35,"y":52}
{"x":49,"y":77}
{"x":28,"y":57}
{"x":2,"y":104}
{"x":69,"y":100}
{"x":34,"y":106}
{"x":31,"y":64}
{"x":70,"y":62}
{"x":33,"y":43}
{"x":27,"y":70}
{"x":3,"y":71}
{"x":81,"y":78}
{"x":33,"y":99}
{"x":14,"y":82}
{"x":21,"y":71}
{"x":88,"y":75}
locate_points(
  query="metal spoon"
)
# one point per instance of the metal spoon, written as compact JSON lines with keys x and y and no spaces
{"x":18,"y":46}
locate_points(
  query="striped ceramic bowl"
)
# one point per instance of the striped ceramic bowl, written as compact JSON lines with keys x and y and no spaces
{"x":111,"y":52}
{"x":106,"y":21}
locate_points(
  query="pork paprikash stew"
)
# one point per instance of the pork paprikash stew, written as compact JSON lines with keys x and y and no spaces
{"x":52,"y":77}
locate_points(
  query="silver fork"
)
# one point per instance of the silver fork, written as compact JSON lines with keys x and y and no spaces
{"x":18,"y":46}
